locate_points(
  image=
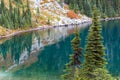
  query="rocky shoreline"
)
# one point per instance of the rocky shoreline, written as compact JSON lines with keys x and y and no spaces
{"x":109,"y":19}
{"x":41,"y":28}
{"x":48,"y":27}
{"x":49,"y":11}
{"x":39,"y":45}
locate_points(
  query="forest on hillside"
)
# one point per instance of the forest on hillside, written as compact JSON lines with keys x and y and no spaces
{"x":16,"y":15}
{"x":107,"y":8}
{"x":59,"y":39}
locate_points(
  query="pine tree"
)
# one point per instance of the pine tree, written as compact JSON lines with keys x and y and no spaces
{"x":38,"y":11}
{"x":29,"y":21}
{"x":74,"y":58}
{"x":10,"y":5}
{"x":94,"y":52}
{"x":75,"y":46}
{"x":105,"y":6}
{"x":15,"y":18}
{"x":2,"y":9}
{"x":12,"y":17}
{"x":19,"y":17}
{"x":87,"y":8}
{"x":19,"y":1}
{"x":2,"y":5}
{"x":80,"y":6}
{"x":76,"y":74}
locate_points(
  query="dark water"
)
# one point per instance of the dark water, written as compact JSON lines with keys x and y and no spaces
{"x":42,"y":55}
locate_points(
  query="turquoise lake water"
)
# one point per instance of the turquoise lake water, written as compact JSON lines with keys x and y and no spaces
{"x":42,"y":55}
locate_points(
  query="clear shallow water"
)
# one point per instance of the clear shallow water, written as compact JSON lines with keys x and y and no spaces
{"x":42,"y":55}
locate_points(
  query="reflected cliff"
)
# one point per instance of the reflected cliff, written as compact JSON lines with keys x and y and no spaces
{"x":22,"y":50}
{"x":42,"y":55}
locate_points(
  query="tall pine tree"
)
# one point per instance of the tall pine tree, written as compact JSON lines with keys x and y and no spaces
{"x":74,"y":58}
{"x":94,"y":53}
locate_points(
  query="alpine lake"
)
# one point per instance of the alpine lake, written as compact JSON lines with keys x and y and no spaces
{"x":42,"y":55}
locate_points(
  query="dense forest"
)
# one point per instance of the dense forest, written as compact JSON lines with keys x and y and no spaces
{"x":19,"y":15}
{"x":107,"y":8}
{"x":13,"y":17}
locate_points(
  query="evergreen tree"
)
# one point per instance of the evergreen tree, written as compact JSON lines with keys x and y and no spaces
{"x":109,"y":8}
{"x":2,"y":5}
{"x":19,"y":17}
{"x":19,"y":1}
{"x":76,"y":74}
{"x":38,"y":11}
{"x":74,"y":58}
{"x":10,"y":5}
{"x":12,"y":18}
{"x":29,"y":21}
{"x":87,"y":8}
{"x":94,"y":52}
{"x":80,"y":6}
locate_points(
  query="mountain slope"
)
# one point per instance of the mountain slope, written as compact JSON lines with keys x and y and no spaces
{"x":108,"y":8}
{"x":26,"y":14}
{"x":51,"y":12}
